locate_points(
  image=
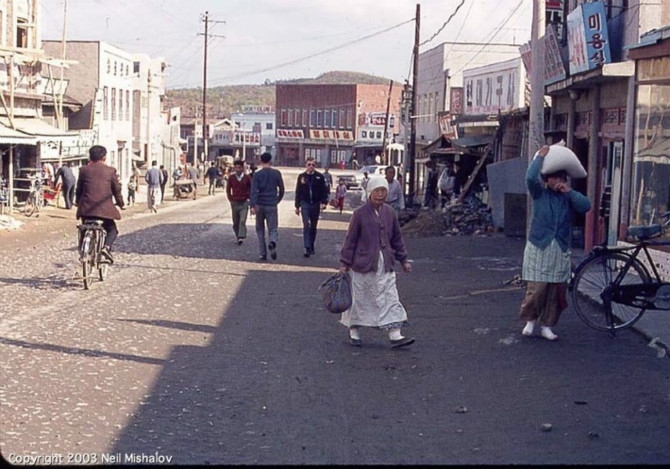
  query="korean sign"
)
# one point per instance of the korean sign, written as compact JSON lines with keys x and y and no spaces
{"x":588,"y":41}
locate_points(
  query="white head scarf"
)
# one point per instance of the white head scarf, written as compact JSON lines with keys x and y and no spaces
{"x":375,"y":182}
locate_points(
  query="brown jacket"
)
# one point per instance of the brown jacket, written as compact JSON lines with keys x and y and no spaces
{"x":368,"y":234}
{"x":96,"y":186}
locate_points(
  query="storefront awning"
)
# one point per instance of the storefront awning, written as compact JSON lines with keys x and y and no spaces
{"x":584,"y":80}
{"x":36,"y":128}
{"x":10,"y":136}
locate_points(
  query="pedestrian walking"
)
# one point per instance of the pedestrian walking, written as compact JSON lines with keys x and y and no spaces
{"x":68,"y":185}
{"x":311,"y":196}
{"x":154,"y":179}
{"x":395,"y":199}
{"x":364,"y":185}
{"x":546,"y":258}
{"x":212,"y":174}
{"x":371,"y":246}
{"x":238,"y":191}
{"x":328,"y":178}
{"x":267,"y":190}
{"x":194,"y":176}
{"x":132,"y":188}
{"x":340,"y":195}
{"x":164,"y":183}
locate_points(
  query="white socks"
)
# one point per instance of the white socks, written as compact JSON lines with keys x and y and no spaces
{"x":530,"y":327}
{"x":548,"y":334}
{"x":394,"y":334}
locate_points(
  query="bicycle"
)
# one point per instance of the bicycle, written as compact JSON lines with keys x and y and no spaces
{"x":92,"y":237}
{"x":612,"y":288}
{"x":35,"y":200}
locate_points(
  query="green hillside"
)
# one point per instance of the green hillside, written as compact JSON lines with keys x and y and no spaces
{"x":222,"y":101}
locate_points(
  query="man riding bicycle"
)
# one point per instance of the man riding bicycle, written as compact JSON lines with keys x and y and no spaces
{"x":96,"y":186}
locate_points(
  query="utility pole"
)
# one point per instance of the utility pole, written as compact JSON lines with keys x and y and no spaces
{"x":204,"y":84}
{"x":412,"y":114}
{"x":536,"y":118}
{"x":61,"y":91}
{"x":386,"y":124}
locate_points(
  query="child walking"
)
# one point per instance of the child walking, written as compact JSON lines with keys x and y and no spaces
{"x":340,"y":193}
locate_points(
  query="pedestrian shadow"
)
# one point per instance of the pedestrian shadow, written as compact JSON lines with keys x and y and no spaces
{"x":173,"y":325}
{"x":216,"y":241}
{"x":41,"y":283}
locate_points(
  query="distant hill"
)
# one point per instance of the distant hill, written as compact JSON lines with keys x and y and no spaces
{"x":222,"y":101}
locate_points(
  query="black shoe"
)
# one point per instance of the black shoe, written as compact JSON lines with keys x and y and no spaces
{"x":107,"y":255}
{"x":306,"y":253}
{"x":355,"y":342}
{"x":273,"y":250}
{"x":402,"y":342}
{"x":239,"y":241}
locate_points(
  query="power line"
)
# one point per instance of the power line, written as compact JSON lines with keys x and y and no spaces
{"x":444,"y":25}
{"x":316,"y":54}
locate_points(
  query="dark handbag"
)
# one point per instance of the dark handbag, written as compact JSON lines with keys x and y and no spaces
{"x":336,"y":293}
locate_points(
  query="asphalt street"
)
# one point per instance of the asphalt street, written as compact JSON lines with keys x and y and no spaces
{"x":193,"y":352}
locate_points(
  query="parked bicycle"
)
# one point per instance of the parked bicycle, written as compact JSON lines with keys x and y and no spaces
{"x":35,"y":200}
{"x":91,"y":240}
{"x":612,"y":288}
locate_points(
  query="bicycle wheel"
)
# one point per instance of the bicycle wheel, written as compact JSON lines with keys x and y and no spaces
{"x":590,"y":282}
{"x":30,"y":206}
{"x":86,"y":259}
{"x":103,"y":267}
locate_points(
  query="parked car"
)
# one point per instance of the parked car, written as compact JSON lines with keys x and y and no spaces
{"x":349,"y":180}
{"x":372,"y":170}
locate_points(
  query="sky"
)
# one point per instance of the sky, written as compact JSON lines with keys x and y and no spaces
{"x":257,"y":40}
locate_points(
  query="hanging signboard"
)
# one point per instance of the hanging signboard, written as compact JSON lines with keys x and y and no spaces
{"x":588,"y":40}
{"x":554,"y":70}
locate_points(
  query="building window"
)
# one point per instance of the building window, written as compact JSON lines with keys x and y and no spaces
{"x":350,"y":119}
{"x":113,"y":104}
{"x":342,"y":122}
{"x":116,"y":66}
{"x":268,"y":126}
{"x":304,"y":117}
{"x":319,"y":118}
{"x":109,"y":66}
{"x":136,"y":68}
{"x":282,"y":121}
{"x":21,"y":32}
{"x":334,"y":121}
{"x":364,"y":134}
{"x":290,"y":117}
{"x":127,"y":105}
{"x":326,"y":115}
{"x":105,"y":103}
{"x":312,"y":121}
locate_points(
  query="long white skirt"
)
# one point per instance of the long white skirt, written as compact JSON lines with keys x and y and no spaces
{"x":375,"y":300}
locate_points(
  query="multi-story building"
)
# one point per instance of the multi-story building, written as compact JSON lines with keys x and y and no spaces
{"x":122,"y":98}
{"x":334,"y":123}
{"x":593,"y":105}
{"x":24,"y":136}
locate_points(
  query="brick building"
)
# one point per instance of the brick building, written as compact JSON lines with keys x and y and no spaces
{"x":334,"y":123}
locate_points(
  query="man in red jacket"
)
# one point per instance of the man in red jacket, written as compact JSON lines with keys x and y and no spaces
{"x":97,"y":185}
{"x":238,"y":190}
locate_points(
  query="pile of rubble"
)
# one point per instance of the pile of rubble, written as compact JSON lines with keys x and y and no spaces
{"x":9,"y":223}
{"x":467,"y":218}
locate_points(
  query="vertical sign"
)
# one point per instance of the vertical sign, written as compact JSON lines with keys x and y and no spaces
{"x":554,"y":70}
{"x":588,"y":41}
{"x":456,"y":99}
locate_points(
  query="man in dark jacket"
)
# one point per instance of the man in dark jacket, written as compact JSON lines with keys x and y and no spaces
{"x":164,"y":182}
{"x":69,"y":181}
{"x":311,"y":196}
{"x":97,"y":185}
{"x":212,"y":174}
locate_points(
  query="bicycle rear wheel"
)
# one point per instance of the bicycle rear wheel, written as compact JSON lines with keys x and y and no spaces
{"x":30,"y":206}
{"x":589,"y":286}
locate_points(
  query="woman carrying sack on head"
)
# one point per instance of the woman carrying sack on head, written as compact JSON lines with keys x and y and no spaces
{"x":546,"y":258}
{"x":372,"y":244}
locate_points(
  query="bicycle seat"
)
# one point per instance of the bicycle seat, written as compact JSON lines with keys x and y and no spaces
{"x":645,"y":232}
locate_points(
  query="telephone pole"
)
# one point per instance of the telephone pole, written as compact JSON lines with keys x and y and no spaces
{"x":412,"y":113}
{"x":206,"y":35}
{"x":536,"y":118}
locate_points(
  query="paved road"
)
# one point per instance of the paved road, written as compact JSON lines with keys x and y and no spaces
{"x":194,"y":351}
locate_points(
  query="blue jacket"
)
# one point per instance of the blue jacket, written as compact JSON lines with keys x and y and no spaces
{"x":267,"y":187}
{"x":551,"y":216}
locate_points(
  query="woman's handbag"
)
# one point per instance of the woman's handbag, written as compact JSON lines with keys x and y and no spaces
{"x":336,"y":293}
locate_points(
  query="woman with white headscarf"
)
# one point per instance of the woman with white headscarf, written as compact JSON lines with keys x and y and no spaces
{"x":372,"y":244}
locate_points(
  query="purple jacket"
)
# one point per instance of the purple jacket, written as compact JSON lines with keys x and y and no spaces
{"x":369,"y":234}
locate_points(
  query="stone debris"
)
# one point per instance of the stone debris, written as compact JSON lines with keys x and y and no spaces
{"x":471,"y":217}
{"x":9,"y":223}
